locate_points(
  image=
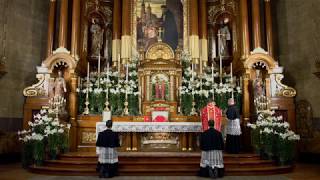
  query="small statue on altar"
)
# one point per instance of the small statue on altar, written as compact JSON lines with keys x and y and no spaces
{"x":96,"y":38}
{"x":223,"y":37}
{"x":211,"y":111}
{"x":160,"y":89}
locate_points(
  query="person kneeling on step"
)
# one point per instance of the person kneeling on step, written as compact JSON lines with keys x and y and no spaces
{"x":106,"y":144}
{"x":211,"y":145}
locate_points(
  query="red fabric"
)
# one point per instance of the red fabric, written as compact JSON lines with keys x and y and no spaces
{"x":215,"y":113}
{"x":147,"y":119}
{"x":160,"y":119}
{"x":160,"y":108}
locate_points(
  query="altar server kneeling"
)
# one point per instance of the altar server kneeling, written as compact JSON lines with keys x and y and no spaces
{"x":211,"y":144}
{"x":106,"y":144}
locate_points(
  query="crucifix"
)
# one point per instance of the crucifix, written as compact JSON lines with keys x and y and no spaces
{"x":160,"y":34}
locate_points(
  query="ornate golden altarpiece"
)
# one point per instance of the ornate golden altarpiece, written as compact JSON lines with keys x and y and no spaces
{"x":158,"y":60}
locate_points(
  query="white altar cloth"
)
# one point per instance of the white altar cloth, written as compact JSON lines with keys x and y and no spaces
{"x":178,"y":127}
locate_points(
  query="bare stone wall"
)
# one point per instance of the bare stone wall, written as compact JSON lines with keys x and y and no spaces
{"x":298,"y":29}
{"x":26,"y":31}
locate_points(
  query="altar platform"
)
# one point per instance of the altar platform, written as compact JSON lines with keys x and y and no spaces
{"x":158,"y":163}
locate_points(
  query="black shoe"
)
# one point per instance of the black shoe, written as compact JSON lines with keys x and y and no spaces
{"x":213,"y":173}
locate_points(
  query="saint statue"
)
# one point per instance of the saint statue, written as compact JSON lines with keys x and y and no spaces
{"x":59,"y":85}
{"x":96,"y":38}
{"x":223,"y":37}
{"x":258,"y":85}
{"x":160,"y":89}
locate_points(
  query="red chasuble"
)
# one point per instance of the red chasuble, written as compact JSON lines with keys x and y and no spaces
{"x":215,"y":113}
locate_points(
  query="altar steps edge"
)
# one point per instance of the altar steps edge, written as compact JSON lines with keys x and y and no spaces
{"x":143,"y":163}
{"x":148,"y":164}
{"x":163,"y":171}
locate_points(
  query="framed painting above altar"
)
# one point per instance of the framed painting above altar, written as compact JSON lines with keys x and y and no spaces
{"x":159,"y":20}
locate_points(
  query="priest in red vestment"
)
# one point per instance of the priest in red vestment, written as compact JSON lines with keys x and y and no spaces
{"x":211,"y":112}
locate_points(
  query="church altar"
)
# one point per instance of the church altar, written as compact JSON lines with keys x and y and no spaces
{"x":170,"y":58}
{"x":158,"y":135}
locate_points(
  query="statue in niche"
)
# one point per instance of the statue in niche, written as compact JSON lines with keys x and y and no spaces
{"x":57,"y":90}
{"x":224,"y":37}
{"x":160,"y":87}
{"x":258,"y":85}
{"x":59,"y":85}
{"x":96,"y":38}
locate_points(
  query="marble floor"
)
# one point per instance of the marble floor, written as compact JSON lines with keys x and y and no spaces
{"x":301,"y":172}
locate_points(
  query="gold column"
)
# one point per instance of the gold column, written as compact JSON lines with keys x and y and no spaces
{"x":203,"y":32}
{"x":73,"y":109}
{"x":256,"y":27}
{"x":63,"y":27}
{"x":126,"y":31}
{"x":75,"y":29}
{"x":245,"y":29}
{"x":51,"y":19}
{"x":269,"y":27}
{"x":194,"y":36}
{"x":116,"y":32}
{"x":147,"y":86}
{"x":172,"y":86}
{"x":246,"y":98}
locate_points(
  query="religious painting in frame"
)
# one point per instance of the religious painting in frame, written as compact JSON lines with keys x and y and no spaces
{"x":159,"y":20}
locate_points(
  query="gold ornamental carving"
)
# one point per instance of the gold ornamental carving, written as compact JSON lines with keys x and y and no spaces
{"x":160,"y":51}
{"x":285,"y":91}
{"x":88,"y":137}
{"x":37,"y":89}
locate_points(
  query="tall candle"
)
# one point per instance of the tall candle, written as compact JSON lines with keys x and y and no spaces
{"x":88,"y":74}
{"x":99,"y":62}
{"x":212,"y":72}
{"x":220,"y":60}
{"x":231,"y":79}
{"x":88,"y":77}
{"x":127,"y":72}
{"x":107,"y":81}
{"x":119,"y":65}
{"x":192,"y":75}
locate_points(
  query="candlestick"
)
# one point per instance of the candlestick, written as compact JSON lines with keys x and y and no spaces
{"x":86,"y":109}
{"x":107,"y":92}
{"x":192,"y":75}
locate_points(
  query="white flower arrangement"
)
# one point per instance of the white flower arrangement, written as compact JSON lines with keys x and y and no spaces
{"x":41,"y":120}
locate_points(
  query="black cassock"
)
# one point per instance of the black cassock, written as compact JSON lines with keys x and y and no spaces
{"x":106,"y":144}
{"x":211,"y":144}
{"x":233,"y":130}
